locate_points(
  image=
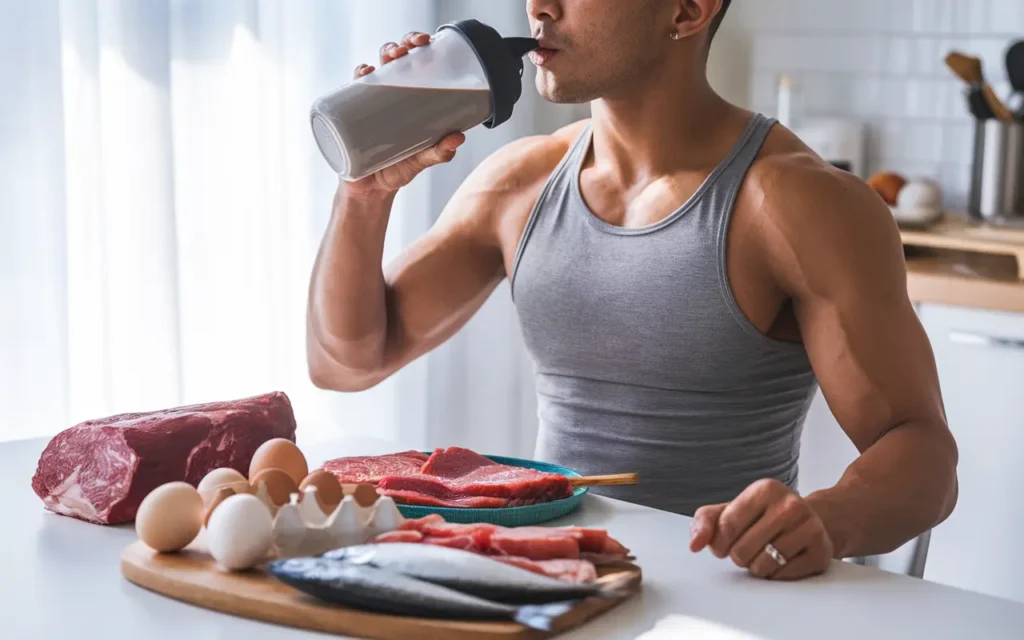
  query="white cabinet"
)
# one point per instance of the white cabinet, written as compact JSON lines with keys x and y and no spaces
{"x":980,"y":356}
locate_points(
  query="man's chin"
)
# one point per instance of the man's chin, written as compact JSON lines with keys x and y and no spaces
{"x":562,"y":94}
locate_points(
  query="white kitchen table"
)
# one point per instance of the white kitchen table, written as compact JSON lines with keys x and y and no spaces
{"x":59,"y":579}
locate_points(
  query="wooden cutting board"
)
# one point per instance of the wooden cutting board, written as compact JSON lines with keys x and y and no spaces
{"x":192,"y":576}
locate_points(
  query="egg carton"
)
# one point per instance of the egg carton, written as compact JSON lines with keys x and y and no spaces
{"x":301,"y":528}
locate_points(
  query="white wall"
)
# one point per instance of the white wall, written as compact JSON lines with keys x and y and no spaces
{"x":880,"y":61}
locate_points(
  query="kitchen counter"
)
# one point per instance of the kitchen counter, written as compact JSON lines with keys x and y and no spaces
{"x":961,"y":263}
{"x":60,"y":579}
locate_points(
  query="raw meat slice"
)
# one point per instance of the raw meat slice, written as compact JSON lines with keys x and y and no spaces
{"x":598,"y":541}
{"x":370,"y":469}
{"x":464,"y":542}
{"x":434,"y":526}
{"x":100,"y":470}
{"x":454,"y":462}
{"x":576,"y":571}
{"x":400,"y":536}
{"x":602,"y":559}
{"x":480,"y":533}
{"x":465,"y":473}
{"x":418,"y":524}
{"x":465,"y":502}
{"x":536,"y":543}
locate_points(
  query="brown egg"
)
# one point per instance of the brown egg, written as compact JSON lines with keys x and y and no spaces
{"x":328,"y":490}
{"x":279,"y":484}
{"x":366,"y":495}
{"x":170,"y":517}
{"x":219,"y":478}
{"x":279,"y":454}
{"x":219,"y":496}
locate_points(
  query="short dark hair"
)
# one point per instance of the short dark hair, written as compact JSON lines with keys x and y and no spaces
{"x":717,"y":22}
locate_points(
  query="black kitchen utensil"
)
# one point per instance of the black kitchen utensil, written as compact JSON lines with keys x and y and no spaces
{"x":1015,"y":65}
{"x":978,"y":105}
{"x":1015,"y":70}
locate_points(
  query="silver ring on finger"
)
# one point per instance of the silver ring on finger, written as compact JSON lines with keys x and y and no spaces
{"x":775,"y":555}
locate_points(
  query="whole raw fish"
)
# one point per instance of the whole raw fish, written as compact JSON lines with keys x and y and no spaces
{"x":368,"y":588}
{"x":465,"y":571}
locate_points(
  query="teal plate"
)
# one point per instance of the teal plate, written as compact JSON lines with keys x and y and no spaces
{"x":511,"y":516}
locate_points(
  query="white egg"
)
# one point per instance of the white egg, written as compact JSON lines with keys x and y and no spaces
{"x":240,"y":532}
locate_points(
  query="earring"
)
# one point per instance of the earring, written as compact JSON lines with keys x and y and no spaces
{"x":674,"y":35}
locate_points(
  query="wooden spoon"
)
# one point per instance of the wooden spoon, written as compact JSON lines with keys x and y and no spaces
{"x":969,"y":69}
{"x":614,"y":480}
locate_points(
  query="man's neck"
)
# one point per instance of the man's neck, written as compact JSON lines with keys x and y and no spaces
{"x":664,"y":126}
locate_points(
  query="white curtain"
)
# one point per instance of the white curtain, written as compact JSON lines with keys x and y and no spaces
{"x":161,"y":202}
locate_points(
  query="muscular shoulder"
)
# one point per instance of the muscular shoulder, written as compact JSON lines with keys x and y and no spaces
{"x":823,"y":228}
{"x":523,"y":162}
{"x":498,"y":196}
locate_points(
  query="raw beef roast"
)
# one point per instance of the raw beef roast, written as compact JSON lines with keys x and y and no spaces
{"x":101,"y":470}
{"x":370,"y":469}
{"x":457,"y":477}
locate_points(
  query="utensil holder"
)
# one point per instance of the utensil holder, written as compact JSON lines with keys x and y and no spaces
{"x":997,"y":178}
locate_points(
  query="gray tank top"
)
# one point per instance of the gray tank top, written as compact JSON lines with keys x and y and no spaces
{"x":644,"y":361}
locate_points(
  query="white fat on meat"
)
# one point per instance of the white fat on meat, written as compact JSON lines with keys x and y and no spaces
{"x":67,"y":499}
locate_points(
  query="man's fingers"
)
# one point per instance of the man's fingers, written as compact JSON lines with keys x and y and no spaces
{"x":741,"y":513}
{"x":415,"y":39}
{"x":362,"y":70}
{"x":813,"y":560}
{"x":385,"y":52}
{"x":804,"y":566}
{"x":702,"y":529}
{"x":783,"y":516}
{"x":791,"y":544}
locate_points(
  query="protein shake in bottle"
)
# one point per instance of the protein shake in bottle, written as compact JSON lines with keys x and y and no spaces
{"x":467,"y":76}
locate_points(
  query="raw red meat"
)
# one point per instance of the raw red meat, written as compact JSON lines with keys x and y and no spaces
{"x":411,"y":497}
{"x":536,"y":543}
{"x":400,"y":536}
{"x":370,"y":469}
{"x":550,"y":551}
{"x":418,"y":524}
{"x":454,"y":462}
{"x":101,"y":470}
{"x":577,"y":571}
{"x":435,"y":527}
{"x":464,"y":542}
{"x":452,"y":475}
{"x":598,"y":541}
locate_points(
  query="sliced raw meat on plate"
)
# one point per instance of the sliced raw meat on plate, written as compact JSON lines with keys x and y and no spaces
{"x":400,"y":536}
{"x":598,"y":541}
{"x":416,"y":498}
{"x":536,"y":543}
{"x":577,"y":571}
{"x":464,"y":542}
{"x":452,"y":475}
{"x":370,"y":469}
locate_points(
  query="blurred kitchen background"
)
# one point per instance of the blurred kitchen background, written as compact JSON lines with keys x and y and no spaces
{"x":162,"y":200}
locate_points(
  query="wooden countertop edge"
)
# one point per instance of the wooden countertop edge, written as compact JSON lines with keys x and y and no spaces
{"x":928,"y":286}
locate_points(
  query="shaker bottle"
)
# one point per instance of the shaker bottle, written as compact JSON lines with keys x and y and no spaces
{"x":468,"y":75}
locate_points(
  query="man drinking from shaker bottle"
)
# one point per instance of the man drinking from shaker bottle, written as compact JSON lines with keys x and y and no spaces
{"x":686,"y":273}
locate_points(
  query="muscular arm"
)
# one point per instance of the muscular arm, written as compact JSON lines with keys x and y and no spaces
{"x":366,"y":322}
{"x":835,"y":249}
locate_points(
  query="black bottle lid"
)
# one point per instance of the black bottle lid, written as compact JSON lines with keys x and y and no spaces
{"x":502,"y":60}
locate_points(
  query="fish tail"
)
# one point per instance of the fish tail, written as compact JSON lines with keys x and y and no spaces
{"x":542,"y":617}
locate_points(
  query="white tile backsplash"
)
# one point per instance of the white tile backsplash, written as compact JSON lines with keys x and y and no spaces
{"x":881,"y":62}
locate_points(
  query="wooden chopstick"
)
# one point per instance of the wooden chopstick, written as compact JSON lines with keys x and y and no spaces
{"x":613,"y":480}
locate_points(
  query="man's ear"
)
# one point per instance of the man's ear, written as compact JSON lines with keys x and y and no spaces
{"x":695,"y":16}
